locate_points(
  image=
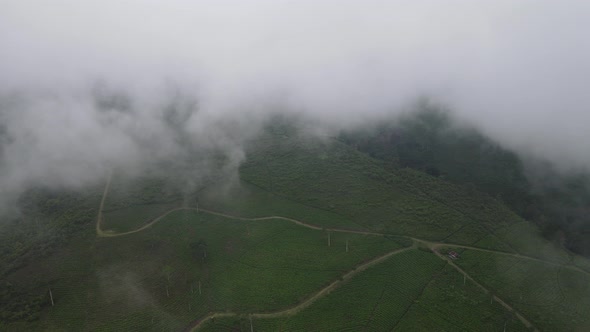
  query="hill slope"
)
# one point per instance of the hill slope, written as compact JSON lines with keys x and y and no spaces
{"x":318,"y":236}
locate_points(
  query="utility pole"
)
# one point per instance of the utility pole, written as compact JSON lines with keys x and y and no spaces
{"x":51,"y":297}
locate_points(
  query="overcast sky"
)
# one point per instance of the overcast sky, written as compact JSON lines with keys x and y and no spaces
{"x":519,"y":70}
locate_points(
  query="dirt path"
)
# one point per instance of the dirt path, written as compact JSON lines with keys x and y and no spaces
{"x":326,"y":290}
{"x":107,"y":186}
{"x":437,"y":245}
{"x":525,"y":321}
{"x":430,"y":244}
{"x":293,"y":310}
{"x":102,"y":233}
{"x":297,"y":308}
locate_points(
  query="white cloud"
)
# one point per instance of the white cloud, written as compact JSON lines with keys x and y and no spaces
{"x":517,"y":69}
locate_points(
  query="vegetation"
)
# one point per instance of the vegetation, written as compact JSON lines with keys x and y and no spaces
{"x":315,"y":236}
{"x":553,"y":296}
{"x":412,"y":291}
{"x":333,"y":177}
{"x":133,"y":217}
{"x":430,"y":141}
{"x":249,"y":200}
{"x":192,"y":263}
{"x":47,"y":221}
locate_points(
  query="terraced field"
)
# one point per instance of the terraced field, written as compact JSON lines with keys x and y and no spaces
{"x":411,"y":291}
{"x":316,"y":237}
{"x":191,"y":263}
{"x":334,"y":177}
{"x":545,"y":292}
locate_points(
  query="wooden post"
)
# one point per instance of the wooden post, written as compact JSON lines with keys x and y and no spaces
{"x":51,"y":297}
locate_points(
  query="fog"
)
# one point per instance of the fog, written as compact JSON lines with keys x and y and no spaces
{"x":87,"y":86}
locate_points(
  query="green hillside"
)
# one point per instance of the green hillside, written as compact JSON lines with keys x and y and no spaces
{"x":413,"y":291}
{"x":430,"y":140}
{"x":317,"y":236}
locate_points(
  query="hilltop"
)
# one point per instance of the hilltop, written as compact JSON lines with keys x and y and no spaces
{"x":315,"y":235}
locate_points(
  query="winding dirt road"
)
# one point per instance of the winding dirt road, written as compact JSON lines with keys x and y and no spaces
{"x":433,"y":246}
{"x":297,"y":308}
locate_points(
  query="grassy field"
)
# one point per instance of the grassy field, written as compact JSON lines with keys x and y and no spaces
{"x":249,"y":200}
{"x":334,"y":177}
{"x":526,"y":239}
{"x":129,"y":218}
{"x":451,"y":303}
{"x":412,"y":291}
{"x":192,"y":263}
{"x":553,"y":296}
{"x":128,"y":191}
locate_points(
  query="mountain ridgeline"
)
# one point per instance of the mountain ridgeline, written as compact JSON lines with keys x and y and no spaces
{"x":428,"y":140}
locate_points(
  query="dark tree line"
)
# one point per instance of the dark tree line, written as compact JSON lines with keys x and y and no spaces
{"x":428,"y":140}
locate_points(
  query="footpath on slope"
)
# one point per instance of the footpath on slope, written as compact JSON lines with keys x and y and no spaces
{"x":107,"y":186}
{"x":297,"y":308}
{"x":430,"y":244}
{"x":433,"y":246}
{"x":525,"y":321}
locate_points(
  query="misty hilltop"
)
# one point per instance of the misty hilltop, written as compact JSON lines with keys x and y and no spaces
{"x":90,"y":86}
{"x":312,"y":229}
{"x":270,"y":165}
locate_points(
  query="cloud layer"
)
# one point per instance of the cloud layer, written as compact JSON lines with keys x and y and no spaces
{"x":87,"y":86}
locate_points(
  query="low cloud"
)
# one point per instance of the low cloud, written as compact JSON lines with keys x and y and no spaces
{"x":89,"y":86}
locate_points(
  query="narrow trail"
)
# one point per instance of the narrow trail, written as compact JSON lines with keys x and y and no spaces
{"x":432,"y":245}
{"x":518,"y":315}
{"x":102,"y":233}
{"x":437,"y":245}
{"x":107,"y":187}
{"x":297,"y":308}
